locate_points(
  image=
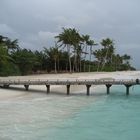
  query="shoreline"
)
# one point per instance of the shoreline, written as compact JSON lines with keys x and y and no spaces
{"x":7,"y":93}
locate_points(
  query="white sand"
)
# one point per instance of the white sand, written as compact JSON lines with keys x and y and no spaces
{"x":15,"y":93}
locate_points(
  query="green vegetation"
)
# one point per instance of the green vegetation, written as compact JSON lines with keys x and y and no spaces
{"x":72,"y":52}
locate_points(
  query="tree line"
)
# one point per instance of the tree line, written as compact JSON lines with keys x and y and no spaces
{"x":72,"y":52}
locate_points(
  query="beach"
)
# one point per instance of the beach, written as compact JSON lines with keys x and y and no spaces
{"x":34,"y":114}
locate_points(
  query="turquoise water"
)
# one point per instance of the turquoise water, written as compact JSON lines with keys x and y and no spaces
{"x":113,"y":117}
{"x":97,"y":117}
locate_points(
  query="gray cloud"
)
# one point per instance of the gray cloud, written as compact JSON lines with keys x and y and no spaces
{"x":36,"y":22}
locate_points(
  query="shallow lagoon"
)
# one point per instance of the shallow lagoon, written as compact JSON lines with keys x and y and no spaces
{"x":77,"y":117}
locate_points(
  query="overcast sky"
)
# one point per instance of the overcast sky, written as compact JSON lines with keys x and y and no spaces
{"x":36,"y":22}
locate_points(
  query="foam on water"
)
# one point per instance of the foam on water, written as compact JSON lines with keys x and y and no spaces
{"x":27,"y":117}
{"x":59,"y":117}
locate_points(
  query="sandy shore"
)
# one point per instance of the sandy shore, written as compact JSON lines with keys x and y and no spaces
{"x":20,"y":91}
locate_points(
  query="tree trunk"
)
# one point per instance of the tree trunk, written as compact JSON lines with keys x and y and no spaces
{"x":85,"y":59}
{"x":58,"y":65}
{"x":90,"y":57}
{"x":55,"y":66}
{"x":105,"y":59}
{"x":69,"y":58}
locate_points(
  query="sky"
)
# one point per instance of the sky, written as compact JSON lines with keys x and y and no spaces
{"x":35,"y":22}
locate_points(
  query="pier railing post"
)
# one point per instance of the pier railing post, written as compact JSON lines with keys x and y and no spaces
{"x":48,"y":88}
{"x":68,"y":89}
{"x":88,"y":89}
{"x":108,"y":88}
{"x":127,"y":89}
{"x":26,"y":87}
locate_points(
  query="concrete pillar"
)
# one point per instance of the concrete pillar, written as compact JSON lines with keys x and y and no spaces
{"x":68,"y":89}
{"x":48,"y":88}
{"x":108,"y":88}
{"x":88,"y":89}
{"x":137,"y":81}
{"x":26,"y":87}
{"x":127,"y":89}
{"x":6,"y":86}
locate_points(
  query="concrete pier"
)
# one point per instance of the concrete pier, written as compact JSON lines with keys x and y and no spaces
{"x":5,"y":83}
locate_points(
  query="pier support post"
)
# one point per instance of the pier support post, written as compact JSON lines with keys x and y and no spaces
{"x":88,"y":89}
{"x":26,"y":87}
{"x":108,"y":88}
{"x":48,"y":88}
{"x":6,"y":86}
{"x":68,"y":89}
{"x":127,"y":89}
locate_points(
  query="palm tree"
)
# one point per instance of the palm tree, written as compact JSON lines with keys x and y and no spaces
{"x":56,"y":57}
{"x":3,"y":39}
{"x":99,"y":55}
{"x":70,"y":38}
{"x":86,"y":43}
{"x":4,"y":56}
{"x":78,"y":52}
{"x":91,"y":43}
{"x":117,"y":61}
{"x":52,"y":54}
{"x":65,"y":39}
{"x":77,"y":43}
{"x":107,"y":44}
{"x":12,"y":45}
{"x":126,"y":58}
{"x":8,"y":43}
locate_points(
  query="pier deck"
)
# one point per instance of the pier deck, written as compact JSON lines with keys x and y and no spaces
{"x":87,"y":82}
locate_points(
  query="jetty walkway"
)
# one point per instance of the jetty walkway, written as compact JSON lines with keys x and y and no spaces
{"x":5,"y":83}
